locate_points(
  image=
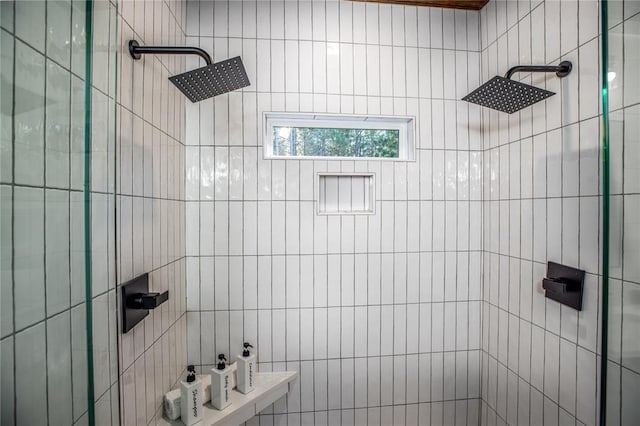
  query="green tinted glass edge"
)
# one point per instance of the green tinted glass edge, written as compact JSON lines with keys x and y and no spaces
{"x":87,"y":211}
{"x":605,"y":210}
{"x":114,"y":68}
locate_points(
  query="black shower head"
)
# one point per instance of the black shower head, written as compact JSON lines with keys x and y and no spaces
{"x":506,"y":95}
{"x":212,"y":80}
{"x":201,"y":83}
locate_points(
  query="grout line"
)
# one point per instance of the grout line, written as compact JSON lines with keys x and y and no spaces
{"x":227,"y":98}
{"x":444,"y":204}
{"x":69,"y":235}
{"x":44,"y":209}
{"x":14,"y":400}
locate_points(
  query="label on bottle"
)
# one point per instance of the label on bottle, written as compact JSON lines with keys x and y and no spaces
{"x":226,"y":388}
{"x":195,"y":408}
{"x":190,"y":403}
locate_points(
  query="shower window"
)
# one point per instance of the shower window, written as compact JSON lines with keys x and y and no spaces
{"x":338,"y":136}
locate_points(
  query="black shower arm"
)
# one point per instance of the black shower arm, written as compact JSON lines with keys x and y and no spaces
{"x":136,"y":51}
{"x":561,"y":70}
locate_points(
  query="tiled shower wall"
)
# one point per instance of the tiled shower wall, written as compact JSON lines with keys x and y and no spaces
{"x":150,"y":203}
{"x":380,"y":314}
{"x":624,"y":295}
{"x":541,"y":203}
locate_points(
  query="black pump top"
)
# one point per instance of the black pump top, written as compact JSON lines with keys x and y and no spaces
{"x":191,"y":374}
{"x":245,"y":352}
{"x":221,"y":362}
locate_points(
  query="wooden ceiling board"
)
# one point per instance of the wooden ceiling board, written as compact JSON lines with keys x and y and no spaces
{"x":447,"y":4}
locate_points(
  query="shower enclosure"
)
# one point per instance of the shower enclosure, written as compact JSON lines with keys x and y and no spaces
{"x":58,"y":324}
{"x":59,"y":354}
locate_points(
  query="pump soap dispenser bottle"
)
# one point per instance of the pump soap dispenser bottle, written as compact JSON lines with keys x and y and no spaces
{"x":191,"y":398}
{"x":246,"y":370}
{"x":221,"y":384}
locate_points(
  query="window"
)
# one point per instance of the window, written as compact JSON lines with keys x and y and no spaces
{"x":337,"y":136}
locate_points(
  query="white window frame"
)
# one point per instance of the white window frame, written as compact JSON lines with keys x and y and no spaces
{"x":404,"y":124}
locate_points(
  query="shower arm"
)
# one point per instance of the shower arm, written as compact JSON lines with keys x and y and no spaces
{"x":136,"y":51}
{"x":561,"y":70}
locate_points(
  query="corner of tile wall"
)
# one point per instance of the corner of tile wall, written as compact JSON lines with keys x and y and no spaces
{"x":150,"y":201}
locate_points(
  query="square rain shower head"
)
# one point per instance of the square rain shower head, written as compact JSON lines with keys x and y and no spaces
{"x":212,"y":80}
{"x":506,"y":95}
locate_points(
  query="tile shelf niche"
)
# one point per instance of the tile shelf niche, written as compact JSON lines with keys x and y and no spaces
{"x":270,"y":386}
{"x":345,"y":193}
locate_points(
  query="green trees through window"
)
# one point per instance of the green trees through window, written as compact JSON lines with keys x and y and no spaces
{"x":335,"y":142}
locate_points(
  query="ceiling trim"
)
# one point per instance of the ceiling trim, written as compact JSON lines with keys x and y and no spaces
{"x":446,"y":4}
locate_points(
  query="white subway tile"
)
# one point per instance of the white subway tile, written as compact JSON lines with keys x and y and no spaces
{"x":630,"y":381}
{"x":589,"y":80}
{"x":586,"y":388}
{"x":631,"y":57}
{"x":30,"y":374}
{"x":306,"y":322}
{"x":436,"y":26}
{"x":569,"y":27}
{"x":629,"y":324}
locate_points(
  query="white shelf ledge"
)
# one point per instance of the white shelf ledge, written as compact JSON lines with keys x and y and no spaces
{"x":269,"y":388}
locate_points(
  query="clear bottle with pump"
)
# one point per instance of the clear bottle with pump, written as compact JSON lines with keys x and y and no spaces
{"x":246,"y":370}
{"x":221,"y":384}
{"x":191,"y":398}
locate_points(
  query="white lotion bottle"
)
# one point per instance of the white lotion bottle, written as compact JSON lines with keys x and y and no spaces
{"x":246,"y":370}
{"x":191,"y":398}
{"x":221,"y":384}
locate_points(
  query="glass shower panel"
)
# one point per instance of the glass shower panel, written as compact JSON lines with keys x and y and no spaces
{"x":47,"y":340}
{"x":102,"y":228}
{"x":623,"y":354}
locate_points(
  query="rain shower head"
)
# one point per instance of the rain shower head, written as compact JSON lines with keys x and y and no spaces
{"x":212,"y":80}
{"x":506,"y":95}
{"x":201,"y":83}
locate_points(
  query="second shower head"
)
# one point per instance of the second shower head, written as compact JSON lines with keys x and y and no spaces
{"x":202,"y":83}
{"x":506,"y":95}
